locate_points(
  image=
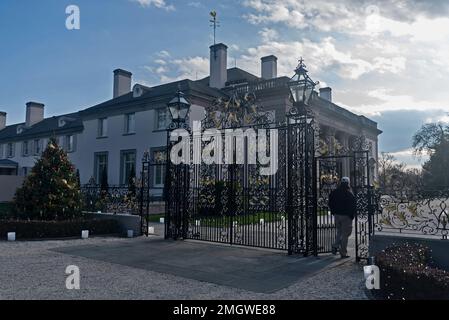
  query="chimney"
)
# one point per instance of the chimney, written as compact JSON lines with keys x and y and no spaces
{"x":34,"y":113}
{"x":2,"y":120}
{"x":269,"y":67}
{"x":326,"y":93}
{"x":122,"y":82}
{"x":218,"y":66}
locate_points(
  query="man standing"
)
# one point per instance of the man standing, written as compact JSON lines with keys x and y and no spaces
{"x":343,"y":207}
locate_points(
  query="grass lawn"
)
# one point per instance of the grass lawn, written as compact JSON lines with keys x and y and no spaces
{"x":247,"y":219}
{"x":155,"y":218}
{"x":214,"y":221}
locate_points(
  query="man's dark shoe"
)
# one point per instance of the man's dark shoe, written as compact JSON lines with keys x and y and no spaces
{"x":345,"y":257}
{"x":334,"y":251}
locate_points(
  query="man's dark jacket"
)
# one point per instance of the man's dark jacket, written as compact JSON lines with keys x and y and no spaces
{"x":342,"y":202}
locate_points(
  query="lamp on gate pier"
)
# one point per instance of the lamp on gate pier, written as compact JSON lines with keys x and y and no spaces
{"x":301,"y":88}
{"x":179,"y":108}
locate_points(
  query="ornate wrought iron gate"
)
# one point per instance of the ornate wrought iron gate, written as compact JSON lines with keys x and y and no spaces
{"x":327,"y":174}
{"x":146,"y":193}
{"x":230,"y":199}
{"x":364,"y":193}
{"x":240,"y":204}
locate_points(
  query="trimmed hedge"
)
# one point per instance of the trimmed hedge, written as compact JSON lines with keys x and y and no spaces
{"x":6,"y":210}
{"x":26,"y":230}
{"x":407,"y":272}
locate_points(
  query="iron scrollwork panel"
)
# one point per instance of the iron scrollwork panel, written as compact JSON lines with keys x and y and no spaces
{"x":328,"y":177}
{"x":301,"y":150}
{"x":422,"y":213}
{"x":364,"y":204}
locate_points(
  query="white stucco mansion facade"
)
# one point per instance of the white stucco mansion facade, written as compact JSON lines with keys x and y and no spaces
{"x":114,"y":135}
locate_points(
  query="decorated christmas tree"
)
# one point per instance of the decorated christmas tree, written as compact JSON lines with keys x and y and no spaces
{"x":51,"y":190}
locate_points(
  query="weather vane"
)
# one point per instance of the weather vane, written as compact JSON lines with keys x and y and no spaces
{"x":214,"y":23}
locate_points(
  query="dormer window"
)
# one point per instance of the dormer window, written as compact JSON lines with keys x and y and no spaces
{"x":137,"y":91}
{"x":19,"y":129}
{"x":62,"y":121}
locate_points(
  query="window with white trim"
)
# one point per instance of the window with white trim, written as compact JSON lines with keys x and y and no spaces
{"x":128,"y":165}
{"x":159,"y":157}
{"x":25,"y":148}
{"x":130,"y":123}
{"x":10,"y":150}
{"x":162,"y":119}
{"x":37,"y":147}
{"x":101,"y":165}
{"x":69,"y":143}
{"x":102,"y":127}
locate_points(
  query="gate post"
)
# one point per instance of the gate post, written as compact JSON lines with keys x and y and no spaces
{"x":308,"y":169}
{"x":167,"y":190}
{"x":356,"y":219}
{"x":315,"y":207}
{"x":142,"y":184}
{"x":289,"y":208}
{"x":185,"y":200}
{"x":364,"y":216}
{"x":144,"y":193}
{"x":231,"y":205}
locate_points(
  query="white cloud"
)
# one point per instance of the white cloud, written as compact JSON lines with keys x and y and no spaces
{"x":377,"y":55}
{"x":160,"y":4}
{"x":321,"y":57}
{"x":234,"y":47}
{"x":163,"y":54}
{"x":160,"y":61}
{"x":195,"y":4}
{"x":406,"y":156}
{"x":440,"y":118}
{"x":168,"y":69}
{"x":268,"y":34}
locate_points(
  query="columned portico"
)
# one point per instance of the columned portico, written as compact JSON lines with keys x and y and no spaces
{"x":343,"y":140}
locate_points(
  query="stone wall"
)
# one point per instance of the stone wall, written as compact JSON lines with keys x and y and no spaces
{"x":127,"y":222}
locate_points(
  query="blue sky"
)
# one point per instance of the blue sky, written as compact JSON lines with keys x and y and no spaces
{"x":68,"y":70}
{"x":384,"y":59}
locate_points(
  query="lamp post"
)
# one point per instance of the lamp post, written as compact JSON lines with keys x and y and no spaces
{"x":179,"y":109}
{"x":301,"y":88}
{"x":300,"y":128}
{"x":175,"y":215}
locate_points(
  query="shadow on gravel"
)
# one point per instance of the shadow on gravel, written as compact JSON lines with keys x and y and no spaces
{"x":249,"y":269}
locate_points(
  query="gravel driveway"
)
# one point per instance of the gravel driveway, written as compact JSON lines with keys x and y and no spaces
{"x":30,"y":270}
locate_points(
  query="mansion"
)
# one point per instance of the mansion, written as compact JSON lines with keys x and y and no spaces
{"x":114,"y":135}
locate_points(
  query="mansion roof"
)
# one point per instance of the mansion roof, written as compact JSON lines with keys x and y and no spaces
{"x":156,"y":96}
{"x":49,"y":126}
{"x":234,"y":76}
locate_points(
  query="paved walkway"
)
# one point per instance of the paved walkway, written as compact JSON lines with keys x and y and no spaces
{"x":142,"y":268}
